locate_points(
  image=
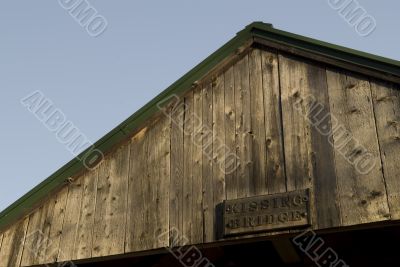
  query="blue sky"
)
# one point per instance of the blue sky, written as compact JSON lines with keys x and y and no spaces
{"x":98,"y":82}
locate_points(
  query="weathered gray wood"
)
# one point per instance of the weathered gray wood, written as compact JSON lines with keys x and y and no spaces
{"x":71,"y":219}
{"x":230,"y":135}
{"x":362,"y":191}
{"x":157,"y":146}
{"x":243,"y":127}
{"x":386,"y":100}
{"x":259,"y":179}
{"x":325,"y":182}
{"x":13,"y":244}
{"x":45,"y":230}
{"x":218,"y":147}
{"x":161,"y":178}
{"x":111,"y":205}
{"x":32,"y":239}
{"x":51,"y":252}
{"x":176,"y":185}
{"x":275,"y":163}
{"x":37,"y":234}
{"x":173,"y":174}
{"x":197,"y":184}
{"x":295,"y":89}
{"x":148,"y":214}
{"x":297,"y":137}
{"x":137,"y":213}
{"x":350,"y":66}
{"x":207,"y":158}
{"x":84,"y":235}
{"x":188,"y":147}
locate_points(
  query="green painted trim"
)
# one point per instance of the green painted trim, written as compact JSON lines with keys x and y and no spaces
{"x":366,"y":60}
{"x":26,"y":203}
{"x":257,"y":29}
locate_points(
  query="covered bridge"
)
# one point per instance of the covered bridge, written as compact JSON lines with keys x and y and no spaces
{"x":275,"y":148}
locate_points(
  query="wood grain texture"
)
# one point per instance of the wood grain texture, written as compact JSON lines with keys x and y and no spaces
{"x":160,"y":179}
{"x":275,"y":163}
{"x":188,"y":165}
{"x":207,"y":158}
{"x":164,"y":175}
{"x":230,"y":135}
{"x":177,"y":115}
{"x":386,"y":101}
{"x":135,"y":229}
{"x":71,"y":220}
{"x":32,"y":239}
{"x":57,"y":221}
{"x":243,"y":127}
{"x":258,"y":180}
{"x":297,"y":137}
{"x":111,"y":204}
{"x":48,"y":213}
{"x":219,"y":148}
{"x":37,"y":234}
{"x":43,"y":243}
{"x":362,"y":192}
{"x":13,"y":244}
{"x":197,"y":184}
{"x":84,"y":235}
{"x":148,"y":212}
{"x":325,"y":180}
{"x":286,"y":121}
{"x":298,"y":83}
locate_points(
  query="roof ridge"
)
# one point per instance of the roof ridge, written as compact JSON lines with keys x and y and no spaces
{"x":265,"y":31}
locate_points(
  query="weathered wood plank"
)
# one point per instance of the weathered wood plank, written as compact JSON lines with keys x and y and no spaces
{"x":135,"y":229}
{"x":197,"y":184}
{"x":45,"y":231}
{"x":230,"y":135}
{"x":188,"y":167}
{"x":218,"y":147}
{"x":361,"y":186}
{"x":148,"y":204}
{"x":37,"y":234}
{"x":207,"y":158}
{"x":297,"y":137}
{"x":161,"y":180}
{"x":258,"y":181}
{"x":32,"y":238}
{"x":13,"y":244}
{"x":243,"y":127}
{"x":386,"y":100}
{"x":51,"y":252}
{"x":328,"y":61}
{"x":275,"y":163}
{"x":325,"y":181}
{"x":111,"y":205}
{"x":295,"y":83}
{"x":176,"y":185}
{"x":157,"y":153}
{"x":84,"y":235}
{"x":71,"y":220}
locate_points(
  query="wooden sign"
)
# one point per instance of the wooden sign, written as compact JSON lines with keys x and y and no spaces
{"x":265,"y":213}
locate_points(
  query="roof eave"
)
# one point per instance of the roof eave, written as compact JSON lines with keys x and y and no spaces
{"x":37,"y":195}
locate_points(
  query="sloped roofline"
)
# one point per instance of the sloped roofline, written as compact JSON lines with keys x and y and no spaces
{"x":257,"y":32}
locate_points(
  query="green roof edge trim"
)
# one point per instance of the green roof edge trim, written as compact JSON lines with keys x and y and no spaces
{"x":25,"y":204}
{"x":329,"y":50}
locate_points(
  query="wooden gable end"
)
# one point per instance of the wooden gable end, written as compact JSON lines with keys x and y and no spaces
{"x":265,"y":122}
